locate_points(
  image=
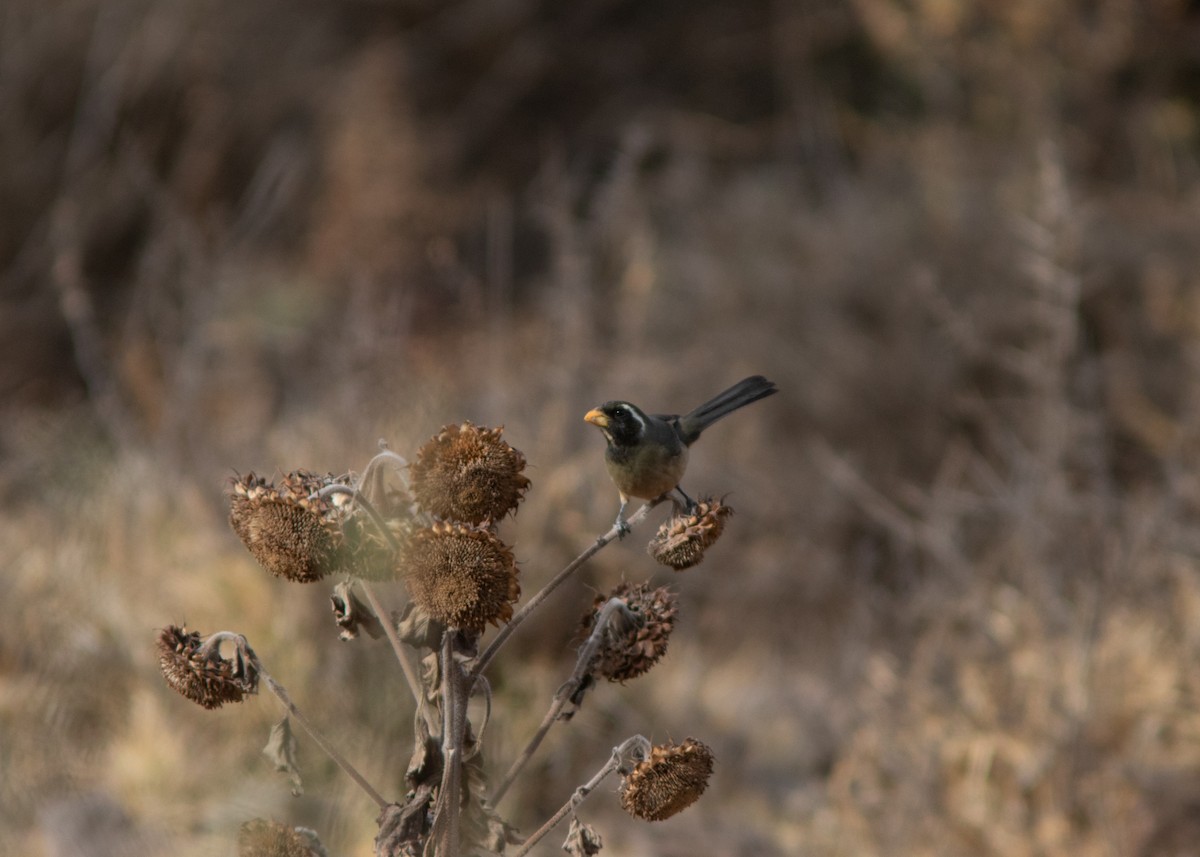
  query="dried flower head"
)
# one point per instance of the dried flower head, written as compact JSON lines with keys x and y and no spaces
{"x":462,"y":575}
{"x":632,"y":645}
{"x":262,"y":838}
{"x":669,"y":780}
{"x":290,"y":532}
{"x":467,"y":473}
{"x":198,"y":671}
{"x":681,"y":542}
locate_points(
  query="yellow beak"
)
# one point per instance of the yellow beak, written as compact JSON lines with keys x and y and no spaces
{"x":596,"y":417}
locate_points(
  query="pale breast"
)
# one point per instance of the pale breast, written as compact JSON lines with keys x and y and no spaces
{"x":648,"y":473}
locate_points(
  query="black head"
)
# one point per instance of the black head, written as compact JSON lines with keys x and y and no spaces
{"x":623,"y":424}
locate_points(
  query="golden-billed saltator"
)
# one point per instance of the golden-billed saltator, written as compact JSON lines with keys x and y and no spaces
{"x":647,"y":453}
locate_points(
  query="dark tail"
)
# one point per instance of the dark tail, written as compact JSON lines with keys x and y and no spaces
{"x":739,"y":395}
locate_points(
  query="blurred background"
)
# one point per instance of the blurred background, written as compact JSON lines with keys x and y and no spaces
{"x":958,"y":611}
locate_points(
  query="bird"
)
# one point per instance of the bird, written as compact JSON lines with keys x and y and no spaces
{"x":647,"y":454}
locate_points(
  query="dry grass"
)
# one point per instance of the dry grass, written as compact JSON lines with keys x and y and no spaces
{"x":956,"y":610}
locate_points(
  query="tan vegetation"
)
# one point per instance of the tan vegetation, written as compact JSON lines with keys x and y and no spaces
{"x":957,"y":610}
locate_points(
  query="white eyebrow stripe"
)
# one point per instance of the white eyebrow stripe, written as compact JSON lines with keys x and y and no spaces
{"x":636,"y":414}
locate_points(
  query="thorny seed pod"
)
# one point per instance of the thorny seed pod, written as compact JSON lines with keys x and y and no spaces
{"x":462,"y":575}
{"x":289,"y":534}
{"x":681,"y":542}
{"x":199,"y":673}
{"x":262,"y":838}
{"x":669,"y":780}
{"x":631,"y":648}
{"x":467,"y":473}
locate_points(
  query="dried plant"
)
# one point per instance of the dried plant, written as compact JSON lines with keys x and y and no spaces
{"x":292,"y":530}
{"x":433,"y":526}
{"x":462,"y":575}
{"x":667,"y":781}
{"x":194,"y":667}
{"x":467,"y":473}
{"x":264,"y":838}
{"x":632,"y":647}
{"x":680,"y":543}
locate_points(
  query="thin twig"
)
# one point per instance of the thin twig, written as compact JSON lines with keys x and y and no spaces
{"x":406,"y":665}
{"x":383,"y":455}
{"x":499,"y":640}
{"x":565,"y":693}
{"x":581,"y":793}
{"x":338,"y":759}
{"x":411,"y":674}
{"x":373,"y":466}
{"x":361,"y":500}
{"x":556,"y":707}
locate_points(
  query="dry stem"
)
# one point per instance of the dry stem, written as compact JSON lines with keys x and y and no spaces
{"x":568,"y":689}
{"x":409,"y":669}
{"x":499,"y":640}
{"x":282,"y":695}
{"x":581,"y":793}
{"x":453,"y":719}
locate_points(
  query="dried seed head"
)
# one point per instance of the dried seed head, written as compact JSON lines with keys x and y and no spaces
{"x":681,"y":542}
{"x":630,"y":648}
{"x":202,"y":676}
{"x":289,"y":534}
{"x":462,"y":575}
{"x":467,"y":473}
{"x":262,"y":838}
{"x":359,"y":546}
{"x":668,"y":781}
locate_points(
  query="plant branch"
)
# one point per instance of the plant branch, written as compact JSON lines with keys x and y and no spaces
{"x":565,"y":694}
{"x":373,"y":468}
{"x":338,"y":759}
{"x":361,"y":500}
{"x":556,"y":706}
{"x":384,"y":455}
{"x":411,"y":674}
{"x":499,"y":640}
{"x":581,"y":793}
{"x":453,"y":721}
{"x":406,"y":665}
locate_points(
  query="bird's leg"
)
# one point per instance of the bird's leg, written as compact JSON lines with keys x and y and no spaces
{"x":689,"y":503}
{"x":623,"y":529}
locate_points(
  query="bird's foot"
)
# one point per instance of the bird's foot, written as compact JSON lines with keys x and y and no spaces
{"x":688,"y":505}
{"x":620,"y":525}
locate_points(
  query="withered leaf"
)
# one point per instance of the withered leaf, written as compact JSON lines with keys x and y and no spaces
{"x":281,"y":750}
{"x":582,"y":840}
